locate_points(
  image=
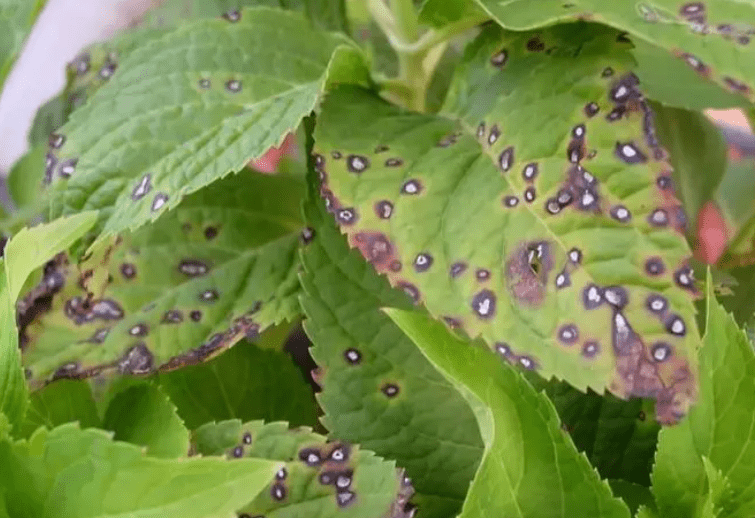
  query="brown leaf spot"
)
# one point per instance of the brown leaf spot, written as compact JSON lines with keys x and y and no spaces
{"x":527,"y":270}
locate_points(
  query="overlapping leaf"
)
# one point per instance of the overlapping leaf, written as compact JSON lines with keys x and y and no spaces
{"x":174,"y":293}
{"x":530,"y":467}
{"x":190,"y":106}
{"x":715,"y":38}
{"x":538,"y":212}
{"x":16,"y":20}
{"x":64,"y":402}
{"x":243,"y":383}
{"x":378,"y":389}
{"x":720,"y":428}
{"x":83,"y":473}
{"x":320,"y":479}
{"x":25,"y":252}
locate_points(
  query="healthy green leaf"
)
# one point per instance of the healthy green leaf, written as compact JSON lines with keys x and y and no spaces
{"x":144,"y":415}
{"x":378,"y":389}
{"x":712,"y":38}
{"x":70,"y":472}
{"x":697,"y":152}
{"x":734,"y":197}
{"x":618,"y":437}
{"x":244,"y":383}
{"x":60,"y":403}
{"x":720,"y":427}
{"x":174,"y":293}
{"x":530,"y":467}
{"x":634,"y":495}
{"x":319,"y":479}
{"x":25,"y":252}
{"x":165,"y":126}
{"x":537,"y":212}
{"x":742,"y":301}
{"x":16,"y":20}
{"x":440,"y":13}
{"x":25,"y":178}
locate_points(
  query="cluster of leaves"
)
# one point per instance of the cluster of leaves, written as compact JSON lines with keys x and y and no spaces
{"x":485,"y":235}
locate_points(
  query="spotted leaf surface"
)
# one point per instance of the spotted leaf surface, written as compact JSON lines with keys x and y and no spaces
{"x":537,"y":213}
{"x":714,"y":38}
{"x":172,"y":294}
{"x":52,"y":474}
{"x":189,"y":107}
{"x":245,"y":383}
{"x":319,"y":479}
{"x":719,"y":428}
{"x":525,"y":448}
{"x":378,"y":390}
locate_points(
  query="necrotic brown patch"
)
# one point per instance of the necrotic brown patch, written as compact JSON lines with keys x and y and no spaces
{"x":376,"y":248}
{"x":527,"y":270}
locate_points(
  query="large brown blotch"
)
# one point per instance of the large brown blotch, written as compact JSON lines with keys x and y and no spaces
{"x":638,"y":375}
{"x":527,"y":270}
{"x":376,"y":248}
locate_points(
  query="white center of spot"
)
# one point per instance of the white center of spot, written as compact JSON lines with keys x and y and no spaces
{"x":587,"y":198}
{"x":660,"y":354}
{"x":484,"y":307}
{"x":411,"y":188}
{"x":622,"y":213}
{"x":612,"y":297}
{"x":560,"y":280}
{"x":677,"y":327}
{"x":574,"y":256}
{"x":628,"y":151}
{"x":593,"y":295}
{"x":621,"y":91}
{"x":657,"y":305}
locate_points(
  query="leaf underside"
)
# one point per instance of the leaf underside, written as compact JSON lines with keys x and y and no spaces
{"x":186,"y":108}
{"x":537,"y":212}
{"x":221,"y":266}
{"x":320,"y":479}
{"x":378,"y":390}
{"x":714,"y":38}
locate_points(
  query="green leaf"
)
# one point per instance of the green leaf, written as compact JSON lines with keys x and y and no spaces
{"x":482,"y":215}
{"x":320,"y":479}
{"x":69,"y":472}
{"x":719,"y":428}
{"x":426,"y":425}
{"x":617,"y":436}
{"x":244,"y":383}
{"x":165,"y":127}
{"x":712,"y":38}
{"x":25,"y":178}
{"x":634,"y":495}
{"x":16,"y":20}
{"x":440,"y":13}
{"x":697,"y":153}
{"x":144,"y":415}
{"x":742,"y":302}
{"x":525,"y":448}
{"x":734,"y":197}
{"x":25,"y":252}
{"x":174,"y":293}
{"x":60,"y":403}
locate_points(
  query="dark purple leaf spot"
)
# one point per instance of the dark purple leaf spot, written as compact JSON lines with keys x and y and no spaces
{"x":381,"y":148}
{"x":616,"y":296}
{"x":675,"y":325}
{"x":336,"y":155}
{"x":616,"y":114}
{"x":453,"y":323}
{"x":494,"y":134}
{"x":209,"y":296}
{"x":535,"y":44}
{"x":590,"y":349}
{"x":411,"y":290}
{"x":629,"y":153}
{"x":481,"y":130}
{"x":339,"y":454}
{"x":247,"y":438}
{"x":575,"y":256}
{"x":237,"y":452}
{"x":210,"y":233}
{"x":506,"y":159}
{"x":159,"y":201}
{"x":664,"y":183}
{"x":654,"y":266}
{"x":579,"y":131}
{"x":530,"y":171}
{"x":411,"y":187}
{"x":530,"y":194}
{"x":592,"y":296}
{"x":620,"y":213}
{"x":345,"y":498}
{"x":347,"y":216}
{"x":591,"y":109}
{"x":568,"y":334}
{"x":172,"y":316}
{"x":56,"y":140}
{"x":658,"y":218}
{"x":142,"y":188}
{"x":310,"y":456}
{"x":232,"y":16}
{"x":423,"y":262}
{"x":575,"y":152}
{"x":390,"y":390}
{"x":607,"y":72}
{"x":563,"y":280}
{"x":128,"y":270}
{"x":656,"y":304}
{"x":195,"y":315}
{"x":661,"y":352}
{"x":483,"y":304}
{"x":503,"y":349}
{"x":564,"y":198}
{"x":482,"y":274}
{"x":137,"y":360}
{"x":193,"y":268}
{"x":394,"y":162}
{"x":68,"y":167}
{"x":352,"y":356}
{"x":140,"y":329}
{"x":307,"y":235}
{"x":695,"y":63}
{"x":281,"y":474}
{"x":527,"y":363}
{"x":384,"y":209}
{"x":499,"y":59}
{"x":233,"y":86}
{"x":737,"y":86}
{"x":552,"y":206}
{"x":99,"y":336}
{"x":457,"y":269}
{"x":395,"y":266}
{"x":108,"y":69}
{"x":684,"y":277}
{"x":357,"y":163}
{"x":278,"y":492}
{"x":510,"y":201}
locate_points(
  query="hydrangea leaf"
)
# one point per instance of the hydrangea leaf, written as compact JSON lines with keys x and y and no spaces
{"x":714,"y":38}
{"x":619,"y":437}
{"x":25,"y":252}
{"x":720,"y":427}
{"x":378,"y":390}
{"x":525,"y":448}
{"x":697,"y":151}
{"x":319,"y":479}
{"x":25,"y":178}
{"x":734,"y":197}
{"x":634,"y":495}
{"x":537,"y":212}
{"x":84,"y":473}
{"x":144,"y":415}
{"x":440,"y":13}
{"x":16,"y":20}
{"x":164,"y":127}
{"x":60,"y":403}
{"x":245,"y":383}
{"x":174,"y":293}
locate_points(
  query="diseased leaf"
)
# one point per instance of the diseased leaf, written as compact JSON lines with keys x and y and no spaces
{"x":25,"y":252}
{"x":172,"y":294}
{"x":83,"y":473}
{"x":697,"y":151}
{"x":714,"y":38}
{"x":320,"y":479}
{"x":144,"y":415}
{"x":16,"y":20}
{"x":618,"y":437}
{"x":378,"y":389}
{"x":244,"y":383}
{"x":538,"y":212}
{"x":189,"y":107}
{"x":719,"y":428}
{"x":60,"y":403}
{"x":530,"y":467}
